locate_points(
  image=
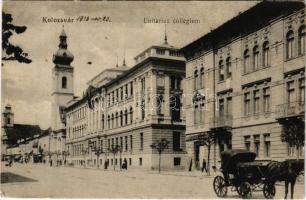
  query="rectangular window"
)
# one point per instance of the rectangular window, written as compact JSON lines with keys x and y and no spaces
{"x":131,"y":142}
{"x":126,"y":143}
{"x":121,"y":93}
{"x":131,"y":88}
{"x":266,"y":99}
{"x":256,"y":101}
{"x":130,"y":161}
{"x":257,"y":144}
{"x":177,"y":161}
{"x":229,"y":106}
{"x":126,"y":91}
{"x":141,"y":141}
{"x":247,"y":104}
{"x":143,"y":111}
{"x":117,"y":95}
{"x":267,"y":144}
{"x":176,"y":141}
{"x":247,"y":142}
{"x":221,"y":73}
{"x":290,"y":92}
{"x":221,"y":107}
{"x":302,"y":91}
{"x":195,"y":114}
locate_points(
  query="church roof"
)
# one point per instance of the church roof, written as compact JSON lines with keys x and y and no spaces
{"x":21,"y":131}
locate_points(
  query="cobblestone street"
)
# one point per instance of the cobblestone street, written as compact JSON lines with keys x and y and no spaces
{"x":44,"y":181}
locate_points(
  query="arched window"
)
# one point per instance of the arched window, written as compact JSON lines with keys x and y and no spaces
{"x":289,"y":46}
{"x":246,"y":58}
{"x":102,"y":122}
{"x":116,"y":119}
{"x":172,"y":80}
{"x":64,"y":82}
{"x":202,"y":77}
{"x":196,"y":79}
{"x":121,"y":118}
{"x":255,"y":58}
{"x":112,"y":120}
{"x":126,"y":116}
{"x":108,"y":121}
{"x":228,"y":68}
{"x":131,"y":115}
{"x":265,"y":54}
{"x":221,"y":70}
{"x":302,"y":40}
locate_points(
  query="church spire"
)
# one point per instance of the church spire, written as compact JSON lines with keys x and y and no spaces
{"x":63,"y":40}
{"x":63,"y":56}
{"x":124,"y":64}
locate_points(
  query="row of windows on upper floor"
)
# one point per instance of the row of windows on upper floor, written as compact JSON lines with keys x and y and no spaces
{"x":255,"y":101}
{"x":120,"y":94}
{"x":78,"y":113}
{"x":252,"y":62}
{"x":115,"y":120}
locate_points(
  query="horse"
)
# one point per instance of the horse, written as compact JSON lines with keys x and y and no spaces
{"x":286,"y":171}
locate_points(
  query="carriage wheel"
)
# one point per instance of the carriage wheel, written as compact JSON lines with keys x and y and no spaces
{"x":245,"y":190}
{"x":220,"y":186}
{"x":269,"y":190}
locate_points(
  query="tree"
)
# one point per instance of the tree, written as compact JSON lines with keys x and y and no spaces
{"x":114,"y":150}
{"x":10,"y":51}
{"x":208,"y":140}
{"x":293,"y":134}
{"x":160,"y":146}
{"x":98,"y":152}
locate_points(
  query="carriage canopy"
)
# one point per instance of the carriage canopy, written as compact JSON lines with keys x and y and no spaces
{"x":230,"y":158}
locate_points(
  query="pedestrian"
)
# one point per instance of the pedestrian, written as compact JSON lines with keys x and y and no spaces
{"x":204,"y":166}
{"x":190,"y":165}
{"x":124,"y":165}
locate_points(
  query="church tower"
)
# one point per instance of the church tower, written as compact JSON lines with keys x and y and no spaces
{"x":62,"y":84}
{"x":8,"y":117}
{"x":7,"y":123}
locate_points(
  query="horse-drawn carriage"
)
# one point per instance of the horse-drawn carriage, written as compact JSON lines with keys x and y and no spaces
{"x":243,"y":174}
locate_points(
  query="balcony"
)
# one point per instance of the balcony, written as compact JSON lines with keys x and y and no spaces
{"x":222,"y":121}
{"x":291,"y":109}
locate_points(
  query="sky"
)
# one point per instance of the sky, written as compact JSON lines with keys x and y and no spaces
{"x":27,"y":87}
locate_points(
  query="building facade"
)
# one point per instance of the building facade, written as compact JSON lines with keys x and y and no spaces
{"x":247,"y":83}
{"x":120,"y":118}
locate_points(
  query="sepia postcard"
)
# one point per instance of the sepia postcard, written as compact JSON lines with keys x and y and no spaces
{"x":153,"y":99}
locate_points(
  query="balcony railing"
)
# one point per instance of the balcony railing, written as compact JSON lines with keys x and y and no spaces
{"x":290,"y":109}
{"x":222,"y":120}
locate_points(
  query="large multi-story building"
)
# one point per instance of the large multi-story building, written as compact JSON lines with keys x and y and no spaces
{"x":131,"y":108}
{"x":247,"y":82}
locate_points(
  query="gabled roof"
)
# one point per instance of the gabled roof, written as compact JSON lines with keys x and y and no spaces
{"x":245,"y":23}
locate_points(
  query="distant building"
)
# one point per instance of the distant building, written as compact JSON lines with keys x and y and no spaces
{"x":18,"y":139}
{"x":119,"y":110}
{"x":247,"y":78}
